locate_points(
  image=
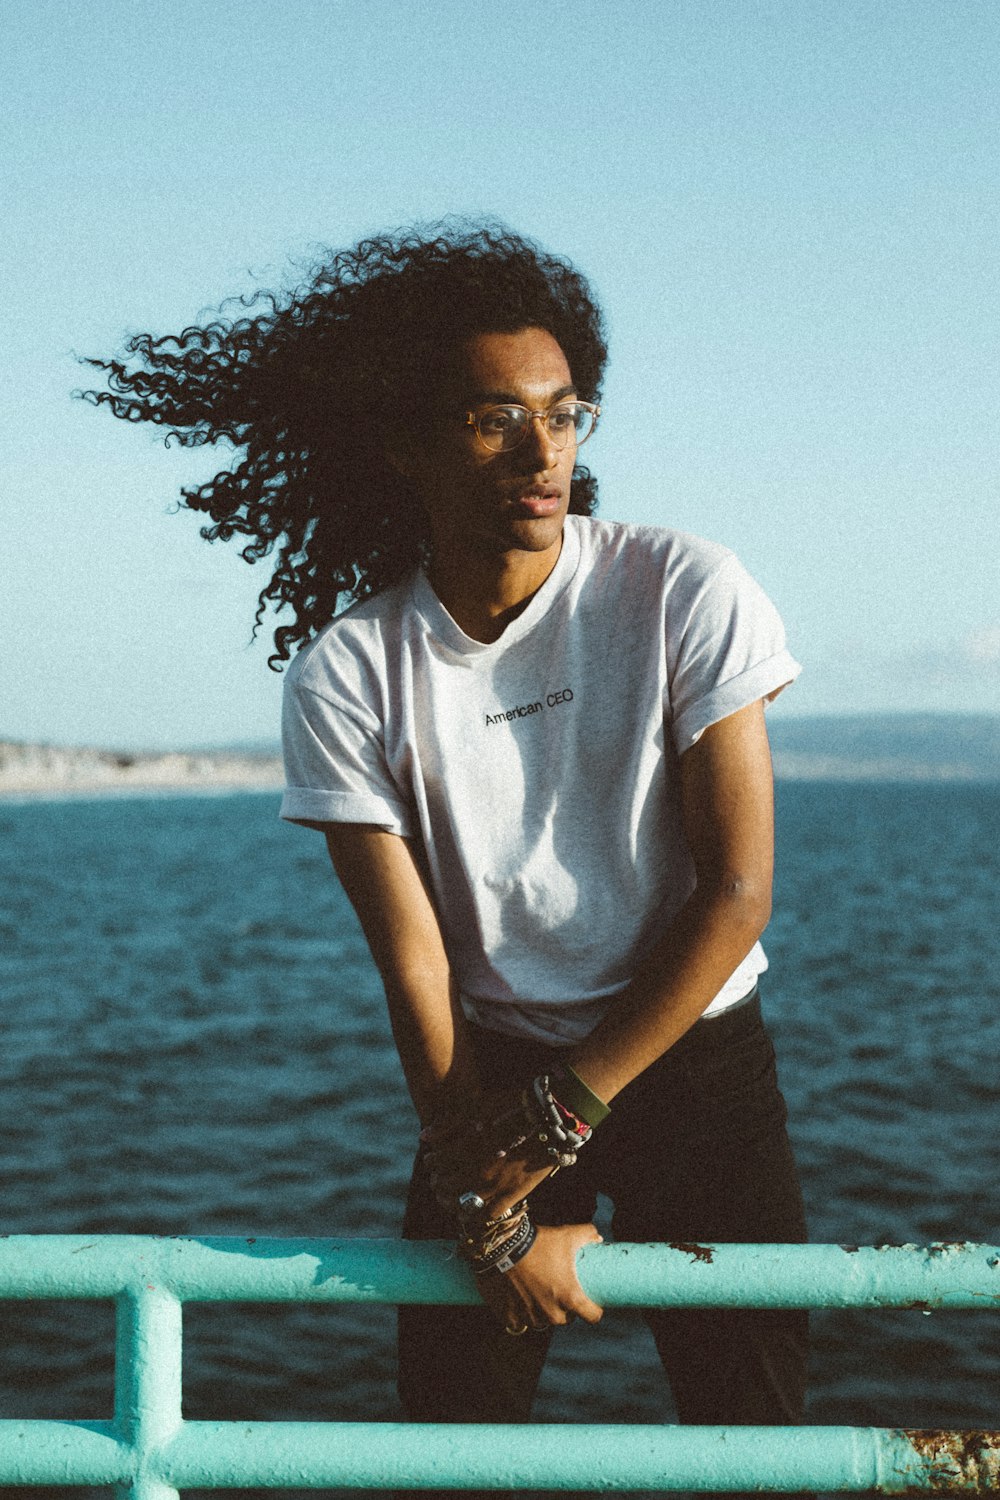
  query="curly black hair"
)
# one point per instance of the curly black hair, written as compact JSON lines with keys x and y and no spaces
{"x":309,"y":383}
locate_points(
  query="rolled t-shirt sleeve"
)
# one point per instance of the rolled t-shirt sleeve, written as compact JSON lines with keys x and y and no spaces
{"x":335,"y":764}
{"x":726,"y":651}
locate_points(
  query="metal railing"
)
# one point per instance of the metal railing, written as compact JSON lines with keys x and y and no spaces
{"x":148,"y":1452}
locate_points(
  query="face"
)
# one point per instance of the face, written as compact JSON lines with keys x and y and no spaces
{"x":477,"y":500}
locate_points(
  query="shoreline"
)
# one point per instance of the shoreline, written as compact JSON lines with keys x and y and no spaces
{"x":107,"y":790}
{"x":104,"y":792}
{"x":33,"y":773}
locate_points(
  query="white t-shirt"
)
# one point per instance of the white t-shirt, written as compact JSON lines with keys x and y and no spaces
{"x":539,"y":771}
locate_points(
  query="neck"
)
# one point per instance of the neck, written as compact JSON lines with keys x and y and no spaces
{"x":483,"y":591}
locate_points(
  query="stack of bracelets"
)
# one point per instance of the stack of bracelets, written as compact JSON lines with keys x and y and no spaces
{"x":551,"y":1129}
{"x":493,"y":1246}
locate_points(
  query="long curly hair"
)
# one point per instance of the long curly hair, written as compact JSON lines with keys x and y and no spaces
{"x":309,"y":383}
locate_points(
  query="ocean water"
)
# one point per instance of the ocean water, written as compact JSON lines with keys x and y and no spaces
{"x":195,"y":1042}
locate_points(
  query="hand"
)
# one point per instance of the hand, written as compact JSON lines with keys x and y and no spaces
{"x":543,"y":1289}
{"x":454,"y":1147}
{"x":464,"y":1150}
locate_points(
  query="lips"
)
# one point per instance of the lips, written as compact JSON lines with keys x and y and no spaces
{"x":540,"y":500}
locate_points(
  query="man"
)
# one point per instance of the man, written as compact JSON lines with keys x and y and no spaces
{"x":536,"y":748}
{"x":484,"y":748}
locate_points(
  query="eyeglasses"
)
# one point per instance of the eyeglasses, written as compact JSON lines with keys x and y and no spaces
{"x":501,"y":428}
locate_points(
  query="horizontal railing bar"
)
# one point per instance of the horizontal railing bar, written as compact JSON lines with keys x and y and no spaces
{"x":549,"y":1456}
{"x":50,"y":1452}
{"x":375,"y":1455}
{"x":357,"y":1270}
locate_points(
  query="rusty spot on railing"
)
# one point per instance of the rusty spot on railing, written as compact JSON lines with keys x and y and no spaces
{"x":696,"y":1252}
{"x":958,"y":1460}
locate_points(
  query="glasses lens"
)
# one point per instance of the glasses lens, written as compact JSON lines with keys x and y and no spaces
{"x":570,"y":419}
{"x":502,"y":427}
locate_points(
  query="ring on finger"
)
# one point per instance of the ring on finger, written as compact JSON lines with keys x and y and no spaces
{"x":516,"y":1333}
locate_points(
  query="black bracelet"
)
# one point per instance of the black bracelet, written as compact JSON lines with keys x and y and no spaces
{"x":511,"y":1256}
{"x":487,"y":1254}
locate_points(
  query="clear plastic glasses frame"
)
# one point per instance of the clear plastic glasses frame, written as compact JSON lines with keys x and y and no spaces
{"x":503,"y":428}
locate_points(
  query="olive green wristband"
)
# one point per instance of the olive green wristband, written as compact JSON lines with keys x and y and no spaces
{"x":574,"y":1093}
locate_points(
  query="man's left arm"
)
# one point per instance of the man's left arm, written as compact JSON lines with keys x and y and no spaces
{"x":728,"y":817}
{"x":727,"y":808}
{"x":727,"y":804}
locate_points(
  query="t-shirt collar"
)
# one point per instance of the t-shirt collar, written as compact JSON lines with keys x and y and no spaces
{"x":454,"y":637}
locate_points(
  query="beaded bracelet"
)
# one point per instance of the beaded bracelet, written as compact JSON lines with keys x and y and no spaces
{"x":560,"y":1128}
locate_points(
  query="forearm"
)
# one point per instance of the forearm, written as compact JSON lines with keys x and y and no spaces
{"x":433,"y":1043}
{"x":386,"y":879}
{"x":686,"y":968}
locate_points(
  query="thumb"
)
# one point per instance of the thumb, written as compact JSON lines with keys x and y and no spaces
{"x":586,"y":1307}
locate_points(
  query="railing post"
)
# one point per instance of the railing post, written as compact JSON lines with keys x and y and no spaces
{"x":147,"y":1384}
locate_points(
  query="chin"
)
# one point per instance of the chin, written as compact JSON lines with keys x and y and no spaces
{"x":535,"y":535}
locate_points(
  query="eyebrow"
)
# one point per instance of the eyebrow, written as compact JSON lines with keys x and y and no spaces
{"x":504,"y":398}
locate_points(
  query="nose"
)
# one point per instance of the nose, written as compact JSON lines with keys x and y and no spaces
{"x":538,"y":443}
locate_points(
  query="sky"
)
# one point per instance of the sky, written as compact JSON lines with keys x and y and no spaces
{"x":788,"y":208}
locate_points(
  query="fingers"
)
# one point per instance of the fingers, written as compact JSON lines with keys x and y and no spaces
{"x":588,"y":1310}
{"x":572,"y":1307}
{"x":450,"y":1171}
{"x":543,"y":1287}
{"x":585,"y":1307}
{"x":500,"y":1183}
{"x":514,"y":1312}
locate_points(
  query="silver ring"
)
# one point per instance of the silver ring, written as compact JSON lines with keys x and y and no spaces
{"x":516,"y":1333}
{"x":470,"y":1203}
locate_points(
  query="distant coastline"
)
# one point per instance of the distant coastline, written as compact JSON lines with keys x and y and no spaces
{"x":928,"y":748}
{"x":68,"y":771}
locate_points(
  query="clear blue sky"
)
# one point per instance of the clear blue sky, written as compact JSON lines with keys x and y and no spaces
{"x":788,"y":207}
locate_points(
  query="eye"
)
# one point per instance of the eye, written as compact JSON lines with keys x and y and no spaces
{"x":498,"y":421}
{"x":563,"y":418}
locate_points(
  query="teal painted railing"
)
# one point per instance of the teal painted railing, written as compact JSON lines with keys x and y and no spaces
{"x":147,"y":1452}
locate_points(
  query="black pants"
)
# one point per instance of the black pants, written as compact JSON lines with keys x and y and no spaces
{"x":695,"y":1149}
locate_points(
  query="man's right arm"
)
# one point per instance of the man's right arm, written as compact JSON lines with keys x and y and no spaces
{"x":387,"y":886}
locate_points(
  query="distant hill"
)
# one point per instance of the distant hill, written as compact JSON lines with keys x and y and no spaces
{"x":887,"y":747}
{"x":862,"y":747}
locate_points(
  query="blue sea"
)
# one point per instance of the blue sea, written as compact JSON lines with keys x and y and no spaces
{"x":195,"y":1042}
